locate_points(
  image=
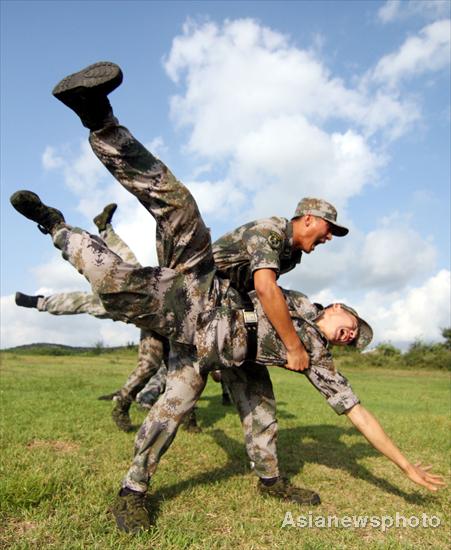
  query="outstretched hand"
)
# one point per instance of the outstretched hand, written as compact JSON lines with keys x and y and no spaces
{"x":420,"y":474}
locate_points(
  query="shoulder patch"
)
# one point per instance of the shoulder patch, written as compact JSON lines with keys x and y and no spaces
{"x":275,"y":241}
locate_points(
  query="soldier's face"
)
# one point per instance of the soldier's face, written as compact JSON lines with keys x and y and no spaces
{"x":339,"y":326}
{"x":312,"y":232}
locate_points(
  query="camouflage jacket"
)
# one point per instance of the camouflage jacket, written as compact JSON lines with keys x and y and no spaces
{"x":266,"y":243}
{"x":222,"y":341}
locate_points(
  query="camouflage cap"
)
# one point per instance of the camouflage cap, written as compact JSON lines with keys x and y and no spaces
{"x":365,"y":332}
{"x":321,"y":209}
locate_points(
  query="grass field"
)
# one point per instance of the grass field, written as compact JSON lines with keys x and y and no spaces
{"x":63,"y":459}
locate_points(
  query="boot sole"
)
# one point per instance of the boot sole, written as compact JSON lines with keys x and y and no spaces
{"x":17,"y":200}
{"x":32,"y":208}
{"x":102,"y":77}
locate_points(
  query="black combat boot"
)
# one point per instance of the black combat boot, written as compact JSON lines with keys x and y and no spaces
{"x":226,"y":401}
{"x":25,"y":300}
{"x":105,"y":217}
{"x":120,"y":414}
{"x":31,"y":206}
{"x":282,"y":489}
{"x":130,"y":511}
{"x":86,"y":93}
{"x":190,"y":423}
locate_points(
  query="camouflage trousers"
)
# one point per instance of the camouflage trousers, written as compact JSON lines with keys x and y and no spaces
{"x":154,"y":388}
{"x":183,"y":242}
{"x":150,"y":356}
{"x":75,"y":303}
{"x":252,"y":394}
{"x":251,"y":388}
{"x":150,"y":351}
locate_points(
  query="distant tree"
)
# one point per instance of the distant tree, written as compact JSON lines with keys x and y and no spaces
{"x":98,"y":347}
{"x":446,"y":333}
{"x":387,"y":349}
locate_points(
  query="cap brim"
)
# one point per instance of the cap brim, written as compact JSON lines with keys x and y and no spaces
{"x":365,"y":335}
{"x":338,"y":230}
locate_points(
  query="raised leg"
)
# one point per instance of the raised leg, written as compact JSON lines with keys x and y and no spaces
{"x":183,"y":240}
{"x":73,"y":303}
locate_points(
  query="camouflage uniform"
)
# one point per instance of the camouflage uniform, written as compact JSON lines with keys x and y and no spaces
{"x":150,"y":357}
{"x":188,"y":306}
{"x":73,"y":303}
{"x":154,"y":388}
{"x":150,"y":352}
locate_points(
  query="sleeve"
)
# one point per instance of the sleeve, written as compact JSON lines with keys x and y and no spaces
{"x":324,"y":377}
{"x":264,"y":244}
{"x":334,"y":387}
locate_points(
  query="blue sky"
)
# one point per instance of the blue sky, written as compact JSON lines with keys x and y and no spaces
{"x":253,"y":105}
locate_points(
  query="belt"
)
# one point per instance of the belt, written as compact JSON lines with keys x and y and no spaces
{"x":250,"y":322}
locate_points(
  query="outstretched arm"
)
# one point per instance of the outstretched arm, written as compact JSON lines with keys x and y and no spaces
{"x":369,"y":427}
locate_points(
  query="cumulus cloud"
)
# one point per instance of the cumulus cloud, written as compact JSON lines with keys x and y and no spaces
{"x":394,"y":10}
{"x":276,"y":119}
{"x":387,"y":258}
{"x":394,"y":254}
{"x":427,"y":52}
{"x":400,"y":317}
{"x":419,"y":313}
{"x":241,"y":74}
{"x":218,"y":197}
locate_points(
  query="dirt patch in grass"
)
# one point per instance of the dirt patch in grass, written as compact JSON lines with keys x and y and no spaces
{"x":55,"y":445}
{"x":20,"y":527}
{"x":19,"y":530}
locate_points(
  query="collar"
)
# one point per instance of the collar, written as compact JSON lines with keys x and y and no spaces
{"x":289,"y":233}
{"x":319,"y":310}
{"x":289,"y":251}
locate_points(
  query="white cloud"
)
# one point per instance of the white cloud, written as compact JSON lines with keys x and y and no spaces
{"x":217,"y":198}
{"x":389,"y":11}
{"x":25,"y":326}
{"x":303,"y":161}
{"x":82,"y":171}
{"x":401,"y":317}
{"x":393,"y":255}
{"x":50,"y":159}
{"x":56,"y":275}
{"x":418,"y":313}
{"x":237,"y":79}
{"x":275,"y":119}
{"x":394,"y":10}
{"x":387,"y":259}
{"x":428,"y":51}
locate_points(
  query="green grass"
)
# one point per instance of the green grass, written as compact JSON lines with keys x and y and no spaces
{"x":63,"y":459}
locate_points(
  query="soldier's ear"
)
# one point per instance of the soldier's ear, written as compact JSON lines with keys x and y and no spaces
{"x":308,"y":218}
